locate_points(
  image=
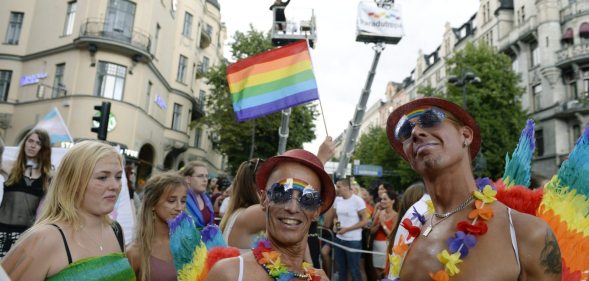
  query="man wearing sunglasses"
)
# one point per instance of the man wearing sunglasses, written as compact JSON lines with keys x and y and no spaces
{"x":469,"y":236}
{"x":296,"y":191}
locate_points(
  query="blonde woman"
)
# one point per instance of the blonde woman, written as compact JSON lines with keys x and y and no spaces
{"x":199,"y":205}
{"x":163,"y":199}
{"x":74,"y":237}
{"x":26,"y":184}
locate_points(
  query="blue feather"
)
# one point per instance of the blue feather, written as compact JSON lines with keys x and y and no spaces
{"x":573,"y":172}
{"x":518,"y":169}
{"x":191,"y":204}
{"x":184,"y":238}
{"x":212,"y":236}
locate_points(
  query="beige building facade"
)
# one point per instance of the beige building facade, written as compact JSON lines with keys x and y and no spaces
{"x":146,"y":58}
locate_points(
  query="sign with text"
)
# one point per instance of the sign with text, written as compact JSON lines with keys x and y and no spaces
{"x":368,"y":170}
{"x":379,"y":23}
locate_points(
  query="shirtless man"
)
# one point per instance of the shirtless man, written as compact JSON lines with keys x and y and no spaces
{"x":297,"y":190}
{"x":439,"y":140}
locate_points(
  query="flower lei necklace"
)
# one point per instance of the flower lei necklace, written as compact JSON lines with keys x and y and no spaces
{"x":270,"y":261}
{"x":458,"y":245}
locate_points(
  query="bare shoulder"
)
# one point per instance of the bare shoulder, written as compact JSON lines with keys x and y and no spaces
{"x":35,"y":254}
{"x":253,"y":218}
{"x":133,"y":255}
{"x":225,"y":269}
{"x":539,"y":252}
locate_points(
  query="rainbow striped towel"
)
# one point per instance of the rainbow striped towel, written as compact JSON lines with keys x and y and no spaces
{"x":272,"y":81}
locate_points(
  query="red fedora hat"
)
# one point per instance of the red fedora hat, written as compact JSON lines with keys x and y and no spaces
{"x":307,"y":159}
{"x":443,"y":104}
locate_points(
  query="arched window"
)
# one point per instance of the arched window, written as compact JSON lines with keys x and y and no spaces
{"x":567,"y":37}
{"x":584,"y":32}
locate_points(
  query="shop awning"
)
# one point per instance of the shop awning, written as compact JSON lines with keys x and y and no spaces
{"x":567,"y":35}
{"x":584,"y":30}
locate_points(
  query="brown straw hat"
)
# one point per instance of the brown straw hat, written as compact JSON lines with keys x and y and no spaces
{"x":443,"y":104}
{"x":307,"y":159}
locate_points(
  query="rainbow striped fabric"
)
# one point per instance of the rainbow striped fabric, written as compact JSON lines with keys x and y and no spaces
{"x":272,"y":81}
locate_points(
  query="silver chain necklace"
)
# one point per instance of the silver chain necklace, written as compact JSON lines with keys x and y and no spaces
{"x":446,"y":215}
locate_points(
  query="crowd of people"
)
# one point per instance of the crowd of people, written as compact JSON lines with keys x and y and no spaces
{"x":285,"y":214}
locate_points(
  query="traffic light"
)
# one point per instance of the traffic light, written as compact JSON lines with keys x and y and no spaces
{"x":102,"y":120}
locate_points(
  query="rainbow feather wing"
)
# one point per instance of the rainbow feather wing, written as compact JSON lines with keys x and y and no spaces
{"x":188,"y":249}
{"x":518,"y":169}
{"x":565,"y":206}
{"x":213,"y":237}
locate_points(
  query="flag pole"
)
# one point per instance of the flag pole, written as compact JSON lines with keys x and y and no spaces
{"x":323,"y":116}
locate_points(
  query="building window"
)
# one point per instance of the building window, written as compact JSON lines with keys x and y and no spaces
{"x":5,"y":76}
{"x":110,"y":80}
{"x":182,"y":63}
{"x":523,"y":14}
{"x":120,"y":16}
{"x":537,"y":92}
{"x":197,"y":137}
{"x":201,"y":99}
{"x":540,"y":142}
{"x":187,"y":29}
{"x":514,"y":64}
{"x":177,"y":117}
{"x":58,"y":86}
{"x":573,"y":89}
{"x":576,"y":133}
{"x":148,"y":96}
{"x":535,"y":54}
{"x":70,"y":18}
{"x":156,"y":38}
{"x":14,"y":27}
{"x":209,"y":30}
{"x":205,"y":64}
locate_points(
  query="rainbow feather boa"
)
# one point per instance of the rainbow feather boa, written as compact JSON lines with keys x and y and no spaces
{"x":565,"y":207}
{"x":196,"y":251}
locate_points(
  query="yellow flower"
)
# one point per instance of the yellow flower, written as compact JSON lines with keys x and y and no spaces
{"x":487,"y":196}
{"x":430,"y":206}
{"x":395,"y":262}
{"x":450,"y":261}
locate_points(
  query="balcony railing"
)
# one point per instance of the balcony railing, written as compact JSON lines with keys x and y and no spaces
{"x":100,"y":29}
{"x":573,"y":53}
{"x":575,"y":9}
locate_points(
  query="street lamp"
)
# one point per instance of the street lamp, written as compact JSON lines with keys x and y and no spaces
{"x":480,"y":162}
{"x":466,"y":77}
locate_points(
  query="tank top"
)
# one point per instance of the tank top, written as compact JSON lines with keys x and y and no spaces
{"x":161,"y":270}
{"x":111,"y":267}
{"x":20,"y":202}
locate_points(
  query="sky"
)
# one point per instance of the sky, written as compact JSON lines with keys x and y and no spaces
{"x":340,"y":63}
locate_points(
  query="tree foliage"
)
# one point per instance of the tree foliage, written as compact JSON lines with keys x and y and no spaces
{"x":236,"y":138}
{"x":494,"y":103}
{"x":374,"y":149}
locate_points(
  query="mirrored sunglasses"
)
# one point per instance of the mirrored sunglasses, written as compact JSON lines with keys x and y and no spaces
{"x":426,"y":118}
{"x":282,"y":192}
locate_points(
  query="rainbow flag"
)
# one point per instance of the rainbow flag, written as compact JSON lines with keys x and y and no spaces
{"x":272,"y":81}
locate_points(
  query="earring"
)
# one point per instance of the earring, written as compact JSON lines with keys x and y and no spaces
{"x":464,"y":144}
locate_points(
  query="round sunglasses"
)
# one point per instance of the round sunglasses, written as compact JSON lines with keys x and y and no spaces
{"x":426,"y":118}
{"x":282,"y":192}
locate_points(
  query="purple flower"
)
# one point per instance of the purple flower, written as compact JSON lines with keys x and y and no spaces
{"x":461,"y":239}
{"x":417,"y":215}
{"x":482,"y":182}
